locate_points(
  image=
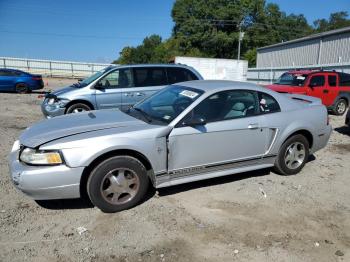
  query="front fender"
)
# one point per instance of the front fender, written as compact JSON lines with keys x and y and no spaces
{"x":82,"y":153}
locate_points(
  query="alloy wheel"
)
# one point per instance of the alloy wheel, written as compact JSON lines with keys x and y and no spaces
{"x":295,"y":155}
{"x":119,"y":186}
{"x":341,"y":107}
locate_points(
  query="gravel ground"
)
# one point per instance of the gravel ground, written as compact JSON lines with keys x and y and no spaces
{"x":255,"y":216}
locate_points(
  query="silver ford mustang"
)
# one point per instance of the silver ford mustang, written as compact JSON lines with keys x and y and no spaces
{"x":186,"y":132}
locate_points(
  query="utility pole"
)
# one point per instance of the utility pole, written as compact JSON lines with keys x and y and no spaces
{"x":240,"y":38}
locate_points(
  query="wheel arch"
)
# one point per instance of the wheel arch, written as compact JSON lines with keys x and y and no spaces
{"x":306,"y":133}
{"x":118,"y":152}
{"x":343,"y":95}
{"x":82,"y":101}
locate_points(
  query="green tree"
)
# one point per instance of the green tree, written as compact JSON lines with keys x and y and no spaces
{"x":144,"y":53}
{"x":210,"y":28}
{"x":336,"y":20}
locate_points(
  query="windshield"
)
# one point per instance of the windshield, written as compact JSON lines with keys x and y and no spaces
{"x":291,"y":79}
{"x":92,"y":78}
{"x":167,"y":104}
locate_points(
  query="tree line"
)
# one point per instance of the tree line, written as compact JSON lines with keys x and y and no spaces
{"x":210,"y":28}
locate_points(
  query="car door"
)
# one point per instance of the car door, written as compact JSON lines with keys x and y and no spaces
{"x":331,"y":89}
{"x":234,"y":131}
{"x":317,"y":86}
{"x":109,"y":88}
{"x":148,"y":80}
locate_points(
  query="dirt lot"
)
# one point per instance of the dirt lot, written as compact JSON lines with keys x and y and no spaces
{"x":301,"y":218}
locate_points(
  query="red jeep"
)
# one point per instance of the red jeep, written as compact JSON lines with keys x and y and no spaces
{"x":332,"y":87}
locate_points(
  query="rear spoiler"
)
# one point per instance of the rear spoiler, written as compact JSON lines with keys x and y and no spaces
{"x":305,"y":99}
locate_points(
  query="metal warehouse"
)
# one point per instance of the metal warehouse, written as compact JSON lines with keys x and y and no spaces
{"x":319,"y":49}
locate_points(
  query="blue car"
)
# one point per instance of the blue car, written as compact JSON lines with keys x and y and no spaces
{"x":19,"y":81}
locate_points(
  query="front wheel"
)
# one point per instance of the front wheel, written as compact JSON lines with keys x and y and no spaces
{"x":77,"y":108}
{"x":292,"y":156}
{"x":117,"y":183}
{"x":340,"y":107}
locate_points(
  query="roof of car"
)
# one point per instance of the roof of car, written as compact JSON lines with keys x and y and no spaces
{"x":10,"y":69}
{"x":152,"y":65}
{"x":303,"y":72}
{"x":217,"y":85}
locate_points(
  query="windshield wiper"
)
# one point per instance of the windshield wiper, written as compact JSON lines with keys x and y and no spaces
{"x":144,"y":114}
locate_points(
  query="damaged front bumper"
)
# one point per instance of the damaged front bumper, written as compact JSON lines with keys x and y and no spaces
{"x":44,"y":182}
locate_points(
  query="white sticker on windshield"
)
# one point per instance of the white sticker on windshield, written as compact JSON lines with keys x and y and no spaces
{"x":189,"y":94}
{"x":301,"y":77}
{"x":166,"y":117}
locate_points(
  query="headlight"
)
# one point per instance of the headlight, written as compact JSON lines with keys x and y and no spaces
{"x":37,"y":157}
{"x":57,"y":102}
{"x":51,"y":101}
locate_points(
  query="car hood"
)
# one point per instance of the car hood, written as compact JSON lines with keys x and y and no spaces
{"x":64,"y":90}
{"x":67,"y":125}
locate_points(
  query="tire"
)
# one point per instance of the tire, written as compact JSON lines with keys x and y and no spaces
{"x":77,"y":108}
{"x":22,"y":88}
{"x":117,"y":183}
{"x":287,"y":162}
{"x":340,"y":107}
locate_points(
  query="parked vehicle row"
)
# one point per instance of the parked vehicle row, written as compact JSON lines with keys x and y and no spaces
{"x":186,"y":132}
{"x":12,"y":80}
{"x":115,"y":87}
{"x":333,"y":88}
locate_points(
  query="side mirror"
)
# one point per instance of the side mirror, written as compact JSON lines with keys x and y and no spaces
{"x":312,"y":85}
{"x":98,"y":85}
{"x":196,"y":120}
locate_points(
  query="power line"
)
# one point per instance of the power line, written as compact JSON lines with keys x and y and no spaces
{"x":72,"y":35}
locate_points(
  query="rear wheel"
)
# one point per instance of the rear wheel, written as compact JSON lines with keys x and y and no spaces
{"x":22,"y":88}
{"x":340,"y":107}
{"x":292,"y":156}
{"x":118,"y":183}
{"x":77,"y":108}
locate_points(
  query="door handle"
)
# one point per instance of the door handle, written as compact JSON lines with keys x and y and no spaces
{"x":253,"y":126}
{"x":326,"y":91}
{"x":128,"y":94}
{"x":139,"y":94}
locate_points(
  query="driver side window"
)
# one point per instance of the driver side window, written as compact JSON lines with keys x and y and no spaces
{"x":117,"y":79}
{"x":317,"y":81}
{"x":228,"y":105}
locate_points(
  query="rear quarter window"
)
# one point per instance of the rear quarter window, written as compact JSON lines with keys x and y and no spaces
{"x":150,"y":76}
{"x":344,"y":79}
{"x":268,"y":104}
{"x":178,"y":74}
